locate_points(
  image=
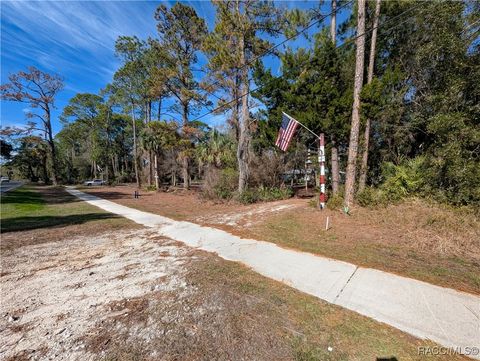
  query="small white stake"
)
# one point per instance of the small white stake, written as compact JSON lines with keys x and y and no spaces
{"x":326,"y":225}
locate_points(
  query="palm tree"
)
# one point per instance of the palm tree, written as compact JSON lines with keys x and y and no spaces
{"x":218,"y":151}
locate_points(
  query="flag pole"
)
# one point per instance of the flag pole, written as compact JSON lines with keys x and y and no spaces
{"x":321,"y":162}
{"x":301,"y":124}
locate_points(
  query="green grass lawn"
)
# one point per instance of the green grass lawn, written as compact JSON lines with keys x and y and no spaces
{"x":50,"y":213}
{"x":21,"y":202}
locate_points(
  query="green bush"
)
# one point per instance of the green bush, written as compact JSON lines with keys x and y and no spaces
{"x":226,"y":185}
{"x":399,"y":181}
{"x":403,"y":180}
{"x":264,"y":194}
{"x":335,"y":201}
{"x":371,"y":197}
{"x":220,"y":184}
{"x":273,"y":193}
{"x":248,"y":196}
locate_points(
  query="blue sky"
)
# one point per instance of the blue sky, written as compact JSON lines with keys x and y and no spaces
{"x":76,"y":40}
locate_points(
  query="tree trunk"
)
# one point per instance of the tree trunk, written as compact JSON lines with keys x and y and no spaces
{"x":355,"y":126}
{"x":366,"y":136}
{"x":244,"y":136}
{"x":333,"y":23}
{"x":157,"y":173}
{"x":150,"y":168}
{"x":114,"y":168}
{"x":149,"y":110}
{"x":185,"y":160}
{"x":335,"y":167}
{"x":51,"y":143}
{"x":135,"y":160}
{"x":45,"y":170}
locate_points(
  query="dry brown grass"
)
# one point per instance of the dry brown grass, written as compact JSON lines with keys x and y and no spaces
{"x":417,"y":239}
{"x":232,"y":313}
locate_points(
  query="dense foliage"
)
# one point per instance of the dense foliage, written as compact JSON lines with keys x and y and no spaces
{"x":422,"y":104}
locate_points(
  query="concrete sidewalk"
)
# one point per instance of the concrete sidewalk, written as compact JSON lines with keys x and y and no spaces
{"x":443,"y":315}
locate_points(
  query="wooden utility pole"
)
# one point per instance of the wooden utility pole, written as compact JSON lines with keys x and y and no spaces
{"x":355,"y":126}
{"x":371,"y":65}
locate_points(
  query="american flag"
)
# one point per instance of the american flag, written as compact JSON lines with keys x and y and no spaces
{"x":285,"y":134}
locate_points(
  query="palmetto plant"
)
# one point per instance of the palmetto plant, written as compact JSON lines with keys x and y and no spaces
{"x":218,"y":151}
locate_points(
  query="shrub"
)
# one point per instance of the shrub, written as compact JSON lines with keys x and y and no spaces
{"x":273,"y":193}
{"x":402,"y":180}
{"x":227,"y":184}
{"x":335,"y":201}
{"x":248,"y":196}
{"x":264,"y":194}
{"x":370,"y":197}
{"x":220,"y":184}
{"x":267,"y":169}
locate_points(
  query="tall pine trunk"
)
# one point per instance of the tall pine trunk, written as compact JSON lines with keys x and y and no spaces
{"x":185,"y":160}
{"x":51,"y":143}
{"x":355,"y":126}
{"x":366,"y":136}
{"x":334,"y":160}
{"x":135,"y":157}
{"x":150,"y":155}
{"x":244,"y":134}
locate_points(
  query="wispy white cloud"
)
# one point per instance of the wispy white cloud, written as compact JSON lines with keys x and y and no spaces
{"x":70,"y":34}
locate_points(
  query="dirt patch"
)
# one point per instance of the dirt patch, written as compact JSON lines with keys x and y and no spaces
{"x":415,"y":238}
{"x":134,"y":295}
{"x":52,"y":308}
{"x":189,"y":206}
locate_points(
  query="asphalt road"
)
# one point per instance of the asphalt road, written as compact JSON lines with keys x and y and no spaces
{"x":5,"y":187}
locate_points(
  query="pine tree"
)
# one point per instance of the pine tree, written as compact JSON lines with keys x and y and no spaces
{"x":38,"y":89}
{"x":237,"y":42}
{"x":371,"y":65}
{"x":355,"y":126}
{"x":182,"y":33}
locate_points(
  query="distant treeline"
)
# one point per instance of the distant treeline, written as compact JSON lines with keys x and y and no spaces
{"x":394,"y":88}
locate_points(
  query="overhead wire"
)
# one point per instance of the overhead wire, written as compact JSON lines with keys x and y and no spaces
{"x":348,"y":41}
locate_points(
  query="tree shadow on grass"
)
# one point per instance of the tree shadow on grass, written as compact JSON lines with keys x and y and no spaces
{"x":114,"y":195}
{"x":38,"y":196}
{"x":22,"y":197}
{"x":28,"y":223}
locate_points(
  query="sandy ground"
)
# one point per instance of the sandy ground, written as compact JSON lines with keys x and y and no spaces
{"x":423,"y":310}
{"x":246,"y":217}
{"x":54,"y":295}
{"x":189,"y":205}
